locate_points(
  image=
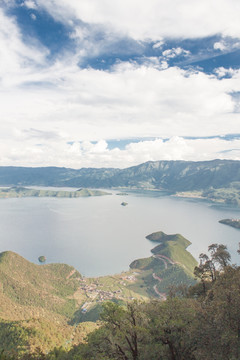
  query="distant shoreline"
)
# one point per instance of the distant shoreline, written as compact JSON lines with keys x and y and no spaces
{"x":20,"y":192}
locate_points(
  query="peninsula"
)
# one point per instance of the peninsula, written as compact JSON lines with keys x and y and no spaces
{"x":17,"y":192}
{"x":231,"y":222}
{"x":170,"y":265}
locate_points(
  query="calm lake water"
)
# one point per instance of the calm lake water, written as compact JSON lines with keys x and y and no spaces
{"x":98,"y":236}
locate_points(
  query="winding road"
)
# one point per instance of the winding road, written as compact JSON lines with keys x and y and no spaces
{"x":166,"y":260}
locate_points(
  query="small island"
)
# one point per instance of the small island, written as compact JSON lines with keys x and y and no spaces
{"x":18,"y":191}
{"x":124,"y":203}
{"x":42,"y":259}
{"x":231,"y":222}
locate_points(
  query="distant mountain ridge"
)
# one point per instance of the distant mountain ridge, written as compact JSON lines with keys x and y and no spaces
{"x":171,"y":176}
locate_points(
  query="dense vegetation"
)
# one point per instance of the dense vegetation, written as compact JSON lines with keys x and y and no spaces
{"x":36,"y":302}
{"x":201,"y":322}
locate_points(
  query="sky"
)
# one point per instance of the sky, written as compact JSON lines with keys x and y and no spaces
{"x":115,"y":83}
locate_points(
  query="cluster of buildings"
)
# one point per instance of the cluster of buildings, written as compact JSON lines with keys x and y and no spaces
{"x":96,"y":293}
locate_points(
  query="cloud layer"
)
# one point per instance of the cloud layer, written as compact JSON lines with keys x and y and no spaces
{"x":54,"y":111}
{"x":153,"y":19}
{"x":46,"y":151}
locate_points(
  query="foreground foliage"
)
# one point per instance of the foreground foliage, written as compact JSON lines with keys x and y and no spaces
{"x":203,"y":325}
{"x":200,"y":322}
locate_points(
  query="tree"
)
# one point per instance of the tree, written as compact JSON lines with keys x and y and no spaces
{"x":218,"y":330}
{"x":171,"y":325}
{"x":220,"y":255}
{"x":208,"y":269}
{"x":127,"y":327}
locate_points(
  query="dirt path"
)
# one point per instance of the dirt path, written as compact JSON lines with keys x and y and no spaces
{"x":166,"y":260}
{"x":162,"y":296}
{"x":156,"y":277}
{"x":163,"y":257}
{"x":160,"y":258}
{"x":71,"y":273}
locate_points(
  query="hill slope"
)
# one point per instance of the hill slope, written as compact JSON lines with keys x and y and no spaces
{"x":29,"y":290}
{"x":52,"y":305}
{"x":170,"y":265}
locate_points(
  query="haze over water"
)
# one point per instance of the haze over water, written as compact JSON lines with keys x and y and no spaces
{"x":98,"y":236}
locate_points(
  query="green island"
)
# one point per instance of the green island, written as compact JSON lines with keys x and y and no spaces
{"x":231,"y":222}
{"x":18,"y":191}
{"x":42,"y":259}
{"x":124,"y":203}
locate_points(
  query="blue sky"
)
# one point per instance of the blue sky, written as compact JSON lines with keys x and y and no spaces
{"x":116,"y":83}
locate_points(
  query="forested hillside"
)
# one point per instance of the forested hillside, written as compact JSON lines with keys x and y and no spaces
{"x":195,"y":323}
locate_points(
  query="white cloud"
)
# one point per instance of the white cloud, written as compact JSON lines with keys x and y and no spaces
{"x":87,"y":154}
{"x":221,"y":72}
{"x":226,"y":45}
{"x":17,"y":59}
{"x":30,"y":4}
{"x":172,"y":53}
{"x":46,"y":107}
{"x":158,"y":18}
{"x":220,"y":46}
{"x":158,"y":44}
{"x":130,"y":101}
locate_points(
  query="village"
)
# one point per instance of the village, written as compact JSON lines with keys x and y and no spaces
{"x":97,"y":292}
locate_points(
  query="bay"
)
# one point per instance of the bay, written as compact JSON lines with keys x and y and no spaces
{"x":99,"y":237}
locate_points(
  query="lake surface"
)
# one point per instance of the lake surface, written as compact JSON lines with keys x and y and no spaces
{"x":98,"y":236}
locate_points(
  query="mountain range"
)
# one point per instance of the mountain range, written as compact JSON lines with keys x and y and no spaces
{"x":170,"y":176}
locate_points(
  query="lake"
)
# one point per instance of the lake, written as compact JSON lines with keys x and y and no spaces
{"x":98,"y":236}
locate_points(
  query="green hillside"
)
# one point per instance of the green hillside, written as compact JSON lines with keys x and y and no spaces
{"x":192,"y":324}
{"x":53,"y":305}
{"x":37,"y":290}
{"x":174,"y":247}
{"x":171,"y":263}
{"x":36,"y":303}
